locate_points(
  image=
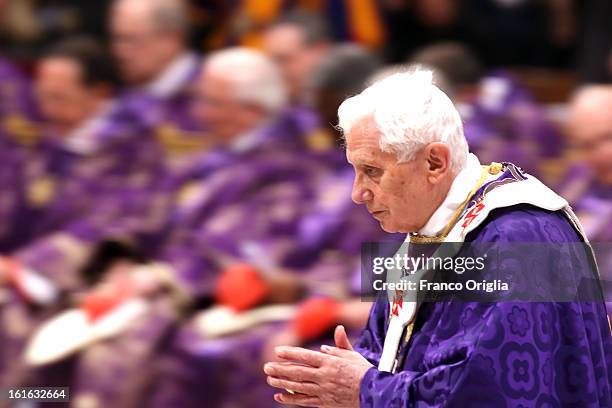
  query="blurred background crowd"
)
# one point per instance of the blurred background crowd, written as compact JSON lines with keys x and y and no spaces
{"x":174,"y":196}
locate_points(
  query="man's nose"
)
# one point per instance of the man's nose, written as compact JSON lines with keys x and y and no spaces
{"x":360,"y":194}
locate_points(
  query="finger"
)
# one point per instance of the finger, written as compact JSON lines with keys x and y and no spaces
{"x":306,"y":388}
{"x":295,"y":372}
{"x":297,"y":399}
{"x":341,"y":338}
{"x":338,"y":352}
{"x":302,"y":355}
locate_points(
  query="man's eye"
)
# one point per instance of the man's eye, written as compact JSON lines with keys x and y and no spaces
{"x":371,"y":171}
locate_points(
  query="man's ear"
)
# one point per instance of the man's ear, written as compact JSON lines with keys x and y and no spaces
{"x":437,"y":156}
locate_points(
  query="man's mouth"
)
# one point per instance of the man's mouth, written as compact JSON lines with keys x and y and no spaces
{"x":377,"y":213}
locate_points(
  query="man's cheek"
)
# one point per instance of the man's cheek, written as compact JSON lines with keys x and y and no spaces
{"x":604,"y":155}
{"x":601,"y":164}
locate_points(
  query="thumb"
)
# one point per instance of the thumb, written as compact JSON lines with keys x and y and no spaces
{"x":341,"y":338}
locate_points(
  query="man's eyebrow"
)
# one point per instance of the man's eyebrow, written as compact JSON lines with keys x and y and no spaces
{"x":364,"y":161}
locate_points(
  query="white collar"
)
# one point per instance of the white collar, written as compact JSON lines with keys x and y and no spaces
{"x":172,"y":78}
{"x":250,"y":139}
{"x":83,"y":139}
{"x":460,"y":188}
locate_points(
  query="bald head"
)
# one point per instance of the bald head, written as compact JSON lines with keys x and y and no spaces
{"x":238,"y":89}
{"x":590,"y":127}
{"x":147,"y":35}
{"x":158,"y":15}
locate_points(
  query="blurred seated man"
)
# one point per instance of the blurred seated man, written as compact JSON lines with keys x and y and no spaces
{"x":149,"y":40}
{"x":88,"y":180}
{"x":242,"y":98}
{"x":588,"y":183}
{"x":503,"y":122}
{"x":297,"y":43}
{"x":86,"y":160}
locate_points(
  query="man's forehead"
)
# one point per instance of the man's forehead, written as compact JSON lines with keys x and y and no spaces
{"x":215,"y":77}
{"x":59,"y":66}
{"x":363,"y":144}
{"x":284,"y":36}
{"x":134,"y":14}
{"x":363,"y":135}
{"x":590,"y":123}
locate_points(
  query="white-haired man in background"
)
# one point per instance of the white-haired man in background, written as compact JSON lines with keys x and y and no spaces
{"x":414,"y":173}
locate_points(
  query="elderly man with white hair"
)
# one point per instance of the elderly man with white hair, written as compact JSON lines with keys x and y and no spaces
{"x":242,"y":98}
{"x":539,"y":337}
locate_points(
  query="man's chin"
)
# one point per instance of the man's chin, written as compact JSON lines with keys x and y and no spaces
{"x":391,"y":228}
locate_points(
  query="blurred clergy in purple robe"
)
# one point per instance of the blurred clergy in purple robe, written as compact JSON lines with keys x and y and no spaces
{"x":588,"y":186}
{"x":89,"y":176}
{"x":149,"y":40}
{"x":94,"y":168}
{"x":415,"y":175}
{"x":588,"y":183}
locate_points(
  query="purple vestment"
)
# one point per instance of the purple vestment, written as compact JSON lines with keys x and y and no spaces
{"x":500,"y":353}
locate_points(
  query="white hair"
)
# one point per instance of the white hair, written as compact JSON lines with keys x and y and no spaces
{"x":255,"y":77}
{"x":410,"y":111}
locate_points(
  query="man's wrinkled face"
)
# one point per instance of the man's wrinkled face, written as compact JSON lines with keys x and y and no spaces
{"x":592,"y":135}
{"x":63,"y":98}
{"x":396,"y":194}
{"x":218,"y":109}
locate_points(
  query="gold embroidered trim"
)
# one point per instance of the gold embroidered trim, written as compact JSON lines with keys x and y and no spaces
{"x":493,"y":169}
